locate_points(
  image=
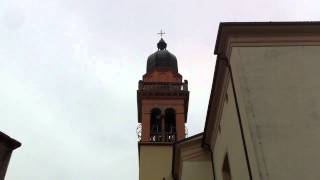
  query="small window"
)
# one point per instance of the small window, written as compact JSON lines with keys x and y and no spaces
{"x":226,"y":169}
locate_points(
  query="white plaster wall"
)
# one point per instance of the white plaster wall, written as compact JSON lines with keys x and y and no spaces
{"x":229,"y":142}
{"x":197,"y":170}
{"x":155,"y":162}
{"x":278,"y":90}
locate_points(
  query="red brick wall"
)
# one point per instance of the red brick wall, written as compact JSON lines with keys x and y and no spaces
{"x":162,"y":76}
{"x":162,"y":104}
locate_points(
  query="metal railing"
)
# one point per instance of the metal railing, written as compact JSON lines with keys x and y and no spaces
{"x":163,"y":137}
{"x":157,"y":135}
{"x":163,"y":86}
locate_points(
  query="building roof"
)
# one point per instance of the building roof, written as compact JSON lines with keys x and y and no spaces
{"x":232,"y":31}
{"x":162,"y":59}
{"x":8,"y":141}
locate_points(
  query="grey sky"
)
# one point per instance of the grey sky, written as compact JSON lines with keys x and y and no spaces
{"x":69,"y":71}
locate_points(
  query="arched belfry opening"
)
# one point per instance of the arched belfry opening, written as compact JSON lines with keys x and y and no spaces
{"x":170,"y":125}
{"x":155,"y":125}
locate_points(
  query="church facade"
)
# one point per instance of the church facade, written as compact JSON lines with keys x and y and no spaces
{"x":263,"y":114}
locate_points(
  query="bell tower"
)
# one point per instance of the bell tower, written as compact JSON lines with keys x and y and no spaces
{"x":162,"y":99}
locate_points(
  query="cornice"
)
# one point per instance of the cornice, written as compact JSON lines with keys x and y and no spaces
{"x":231,"y":34}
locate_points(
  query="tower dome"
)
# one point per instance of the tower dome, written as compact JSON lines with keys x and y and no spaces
{"x":162,"y":59}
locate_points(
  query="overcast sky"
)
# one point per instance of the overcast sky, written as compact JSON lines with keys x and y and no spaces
{"x":69,"y":71}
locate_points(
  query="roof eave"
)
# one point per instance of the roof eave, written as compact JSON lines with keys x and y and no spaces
{"x":10,"y":142}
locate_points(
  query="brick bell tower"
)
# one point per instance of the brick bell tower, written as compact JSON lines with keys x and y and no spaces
{"x":162,"y":99}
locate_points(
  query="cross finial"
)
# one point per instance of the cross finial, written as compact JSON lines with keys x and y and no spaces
{"x":161,"y":33}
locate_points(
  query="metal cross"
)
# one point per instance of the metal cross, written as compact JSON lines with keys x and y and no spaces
{"x":161,"y":33}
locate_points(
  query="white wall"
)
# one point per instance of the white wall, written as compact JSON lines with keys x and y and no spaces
{"x":229,"y":142}
{"x":278,"y":90}
{"x":197,"y":170}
